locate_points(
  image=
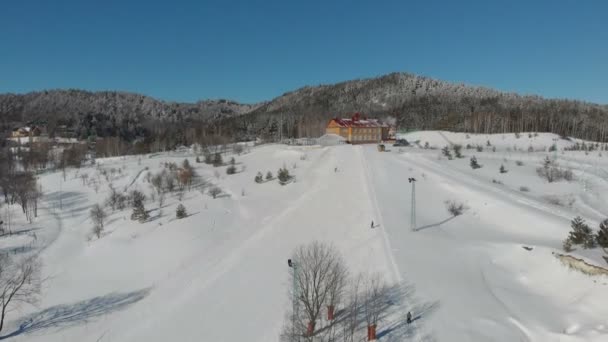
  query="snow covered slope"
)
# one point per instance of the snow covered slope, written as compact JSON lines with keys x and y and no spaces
{"x":221,"y":274}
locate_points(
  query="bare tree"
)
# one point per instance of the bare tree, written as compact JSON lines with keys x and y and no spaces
{"x":19,"y":283}
{"x":375,"y":290}
{"x":350,"y":321}
{"x":215,"y":191}
{"x":98,"y":216}
{"x":320,"y":278}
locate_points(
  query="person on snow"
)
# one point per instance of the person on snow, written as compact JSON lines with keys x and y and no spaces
{"x":409,"y":317}
{"x":372,"y":224}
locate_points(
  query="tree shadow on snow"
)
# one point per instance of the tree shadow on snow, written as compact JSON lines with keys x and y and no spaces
{"x":393,"y":324}
{"x":394,"y":303}
{"x":436,"y":224}
{"x":67,"y":315}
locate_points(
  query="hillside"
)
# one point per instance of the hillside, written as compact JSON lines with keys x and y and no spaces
{"x":220,"y":274}
{"x":414,"y":102}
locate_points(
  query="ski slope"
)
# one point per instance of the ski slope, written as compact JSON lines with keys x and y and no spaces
{"x":221,"y":273}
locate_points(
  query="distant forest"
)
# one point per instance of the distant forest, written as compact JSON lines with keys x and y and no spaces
{"x":140,"y":123}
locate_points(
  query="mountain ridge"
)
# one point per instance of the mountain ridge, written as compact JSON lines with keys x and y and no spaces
{"x":415,"y":102}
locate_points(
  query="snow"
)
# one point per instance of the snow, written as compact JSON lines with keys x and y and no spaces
{"x":221,"y":273}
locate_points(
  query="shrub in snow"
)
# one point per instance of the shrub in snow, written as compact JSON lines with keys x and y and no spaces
{"x":479,"y":148}
{"x":457,"y":151}
{"x":469,"y":147}
{"x":208,"y":158}
{"x":283,"y":175}
{"x":180,"y":211}
{"x":524,"y":189}
{"x":530,"y":148}
{"x":581,"y":233}
{"x":602,"y":235}
{"x":98,"y":215}
{"x":303,"y":157}
{"x":217,"y":160}
{"x":446,"y":152}
{"x":198,"y":160}
{"x":426,"y":145}
{"x":497,"y":182}
{"x":215,"y":191}
{"x":503,"y":169}
{"x":474,"y":164}
{"x":97,"y":230}
{"x":231,"y":170}
{"x":232,"y":161}
{"x":259,"y":178}
{"x":552,"y":172}
{"x":553,"y":148}
{"x":269,"y":175}
{"x":488,"y":143}
{"x":493,"y":148}
{"x":454,"y":208}
{"x":519,"y":163}
{"x":517,"y":135}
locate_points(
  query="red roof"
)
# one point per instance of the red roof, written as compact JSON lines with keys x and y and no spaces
{"x":356,"y":121}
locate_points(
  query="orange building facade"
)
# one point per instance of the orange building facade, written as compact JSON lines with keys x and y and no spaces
{"x":357,"y":130}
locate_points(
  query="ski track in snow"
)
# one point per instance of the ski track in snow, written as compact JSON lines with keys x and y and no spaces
{"x":388,"y":250}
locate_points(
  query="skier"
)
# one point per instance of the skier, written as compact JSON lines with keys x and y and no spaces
{"x":409,"y":317}
{"x":372,"y":224}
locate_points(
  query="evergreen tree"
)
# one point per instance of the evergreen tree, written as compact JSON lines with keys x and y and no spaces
{"x":503,"y":169}
{"x":446,"y":152}
{"x":567,"y":245}
{"x":602,"y":235}
{"x":581,"y":234}
{"x":139,"y":211}
{"x":217,"y":159}
{"x":283,"y":175}
{"x":259,"y":178}
{"x":180,"y":211}
{"x":458,"y":151}
{"x":474,"y":164}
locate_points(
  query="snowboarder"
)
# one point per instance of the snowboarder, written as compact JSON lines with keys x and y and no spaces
{"x":409,"y":317}
{"x":372,"y":224}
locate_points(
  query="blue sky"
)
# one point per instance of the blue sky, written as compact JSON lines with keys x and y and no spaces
{"x":255,"y":50}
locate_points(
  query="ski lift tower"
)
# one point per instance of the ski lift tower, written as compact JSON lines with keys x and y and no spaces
{"x":412,"y":181}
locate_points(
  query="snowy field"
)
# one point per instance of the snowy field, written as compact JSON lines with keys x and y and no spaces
{"x":220,"y":274}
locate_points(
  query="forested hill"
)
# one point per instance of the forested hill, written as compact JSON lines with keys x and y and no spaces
{"x":424,"y":103}
{"x":109,"y":112}
{"x":414,"y":102}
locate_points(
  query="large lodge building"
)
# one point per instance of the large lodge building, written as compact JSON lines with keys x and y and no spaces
{"x":358,"y":130}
